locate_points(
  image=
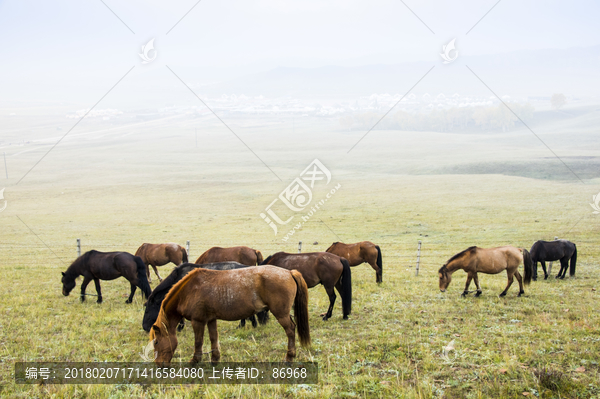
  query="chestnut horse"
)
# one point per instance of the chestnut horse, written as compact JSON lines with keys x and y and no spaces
{"x":320,"y":267}
{"x":475,"y":260}
{"x":205,"y":296}
{"x":158,"y":294}
{"x":94,"y":265}
{"x":161,"y":254}
{"x":361,"y":252}
{"x":243,"y":255}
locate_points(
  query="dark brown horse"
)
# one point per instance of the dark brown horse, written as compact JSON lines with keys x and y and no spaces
{"x":320,"y":267}
{"x":359,"y":253}
{"x":243,"y":255}
{"x":475,"y":260}
{"x":562,"y":250}
{"x":161,"y":254}
{"x":94,"y":265}
{"x":205,"y":296}
{"x":158,"y":294}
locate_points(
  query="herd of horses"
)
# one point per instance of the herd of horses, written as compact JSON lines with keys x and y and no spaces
{"x":237,"y":283}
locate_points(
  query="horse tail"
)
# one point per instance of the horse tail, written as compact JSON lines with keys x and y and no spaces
{"x":379,"y":262}
{"x":528,"y":265}
{"x":346,"y":288}
{"x":301,"y":308}
{"x":263,"y":317}
{"x":142,"y":277}
{"x":573,"y":262}
{"x":259,"y":257}
{"x":184,"y":258}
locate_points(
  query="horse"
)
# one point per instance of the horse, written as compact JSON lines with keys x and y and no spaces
{"x":320,"y":267}
{"x":361,"y":252}
{"x":205,"y":296}
{"x":158,"y":294}
{"x":94,"y":265}
{"x":562,"y":250}
{"x":243,"y":255}
{"x":161,"y":254}
{"x":475,"y":260}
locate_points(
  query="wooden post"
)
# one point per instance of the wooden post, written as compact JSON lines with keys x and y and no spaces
{"x":187,"y":248}
{"x":5,"y":168}
{"x":418,"y":258}
{"x":78,"y":247}
{"x":299,"y":246}
{"x":550,"y":264}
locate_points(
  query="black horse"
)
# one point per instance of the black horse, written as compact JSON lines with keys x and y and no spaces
{"x":161,"y":290}
{"x":562,"y":250}
{"x":94,"y":265}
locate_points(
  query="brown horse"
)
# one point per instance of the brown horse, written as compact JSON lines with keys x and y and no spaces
{"x":361,"y":252}
{"x":474,"y":260}
{"x":94,"y":265}
{"x":320,"y":267}
{"x":161,"y":254}
{"x":243,"y":255}
{"x":205,"y":296}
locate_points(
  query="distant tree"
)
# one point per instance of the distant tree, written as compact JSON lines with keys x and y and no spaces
{"x":558,"y":100}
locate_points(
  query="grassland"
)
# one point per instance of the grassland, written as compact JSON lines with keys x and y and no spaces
{"x":116,"y":192}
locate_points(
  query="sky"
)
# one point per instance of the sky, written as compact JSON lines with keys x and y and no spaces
{"x":54,"y":47}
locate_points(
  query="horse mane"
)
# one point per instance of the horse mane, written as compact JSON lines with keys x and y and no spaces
{"x":162,"y":320}
{"x":83,"y":259}
{"x":460,"y":254}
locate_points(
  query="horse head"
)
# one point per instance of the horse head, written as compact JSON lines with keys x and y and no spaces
{"x":68,"y":283}
{"x":445,"y":278}
{"x":163,"y":342}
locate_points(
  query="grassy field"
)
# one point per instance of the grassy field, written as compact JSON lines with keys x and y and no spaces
{"x":115,"y":197}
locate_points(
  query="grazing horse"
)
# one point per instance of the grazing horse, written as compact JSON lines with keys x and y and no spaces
{"x":562,"y":250}
{"x":161,"y":254}
{"x":94,"y":265}
{"x":475,"y":260}
{"x":158,"y":294}
{"x":320,"y":267}
{"x":243,"y":255}
{"x":361,"y":252}
{"x":205,"y":296}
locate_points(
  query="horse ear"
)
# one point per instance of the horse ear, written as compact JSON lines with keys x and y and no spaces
{"x":63,"y":273}
{"x":156,"y":329}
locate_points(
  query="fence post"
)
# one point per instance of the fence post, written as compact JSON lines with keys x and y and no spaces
{"x":78,"y":247}
{"x":299,"y":246}
{"x":550,"y":264}
{"x":187,"y":248}
{"x":418,"y":258}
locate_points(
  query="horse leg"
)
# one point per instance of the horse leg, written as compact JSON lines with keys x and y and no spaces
{"x":157,"y":275}
{"x":253,"y":320}
{"x":242,"y":323}
{"x":148,"y":273}
{"x":133,"y":288}
{"x":476,"y":281}
{"x":181,"y":325}
{"x":564,"y":265}
{"x":469,"y":278}
{"x":214,"y":341}
{"x":198,"y":340}
{"x":544,"y":267}
{"x":97,"y":284}
{"x":378,"y":274}
{"x":331,"y":294}
{"x":84,"y":284}
{"x":510,"y":281}
{"x":520,"y":280}
{"x":290,"y":330}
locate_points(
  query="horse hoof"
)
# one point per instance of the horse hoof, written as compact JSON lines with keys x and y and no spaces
{"x":128,"y":301}
{"x":502,"y":295}
{"x":325,"y":318}
{"x":521,"y":293}
{"x":99,"y":301}
{"x":478,"y":293}
{"x":345,"y":317}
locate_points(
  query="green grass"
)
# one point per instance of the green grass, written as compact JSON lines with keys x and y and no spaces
{"x":392,"y":344}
